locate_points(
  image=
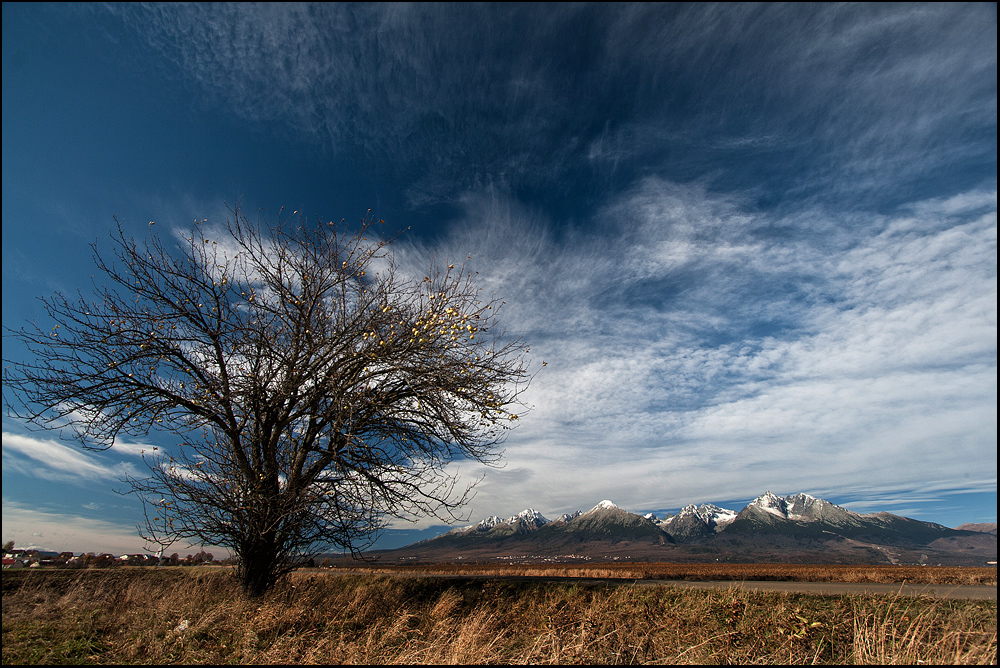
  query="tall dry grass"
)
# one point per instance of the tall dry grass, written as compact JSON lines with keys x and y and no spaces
{"x":186,"y":616}
{"x":879,"y":641}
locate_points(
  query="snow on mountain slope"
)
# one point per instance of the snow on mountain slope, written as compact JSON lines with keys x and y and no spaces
{"x":603,"y":505}
{"x":527,"y":520}
{"x":770,"y":528}
{"x":708,"y":514}
{"x":803,"y":508}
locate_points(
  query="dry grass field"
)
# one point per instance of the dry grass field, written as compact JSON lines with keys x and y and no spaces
{"x":666,"y":571}
{"x":199,"y":616}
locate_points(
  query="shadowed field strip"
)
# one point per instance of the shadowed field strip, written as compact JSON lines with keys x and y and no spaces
{"x":950,"y":591}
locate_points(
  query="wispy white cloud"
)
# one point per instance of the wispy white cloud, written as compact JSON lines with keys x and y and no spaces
{"x":881,"y":378}
{"x":874,"y":89}
{"x":57,"y":461}
{"x":484,"y":95}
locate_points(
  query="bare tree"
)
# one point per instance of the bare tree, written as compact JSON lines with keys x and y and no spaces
{"x":315,"y":392}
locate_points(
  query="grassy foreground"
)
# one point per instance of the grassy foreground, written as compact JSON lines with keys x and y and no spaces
{"x":199,"y":616}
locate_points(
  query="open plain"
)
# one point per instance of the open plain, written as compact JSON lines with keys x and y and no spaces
{"x":171,"y":615}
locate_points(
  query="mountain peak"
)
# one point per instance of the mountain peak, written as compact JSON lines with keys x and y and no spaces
{"x":771,"y":503}
{"x":605,"y":505}
{"x":531,"y":515}
{"x":488,"y":523}
{"x":801,"y":507}
{"x":698,"y":519}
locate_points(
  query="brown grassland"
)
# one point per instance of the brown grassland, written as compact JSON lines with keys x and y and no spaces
{"x":199,"y":615}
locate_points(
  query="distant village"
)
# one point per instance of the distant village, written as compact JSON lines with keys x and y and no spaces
{"x":32,"y":558}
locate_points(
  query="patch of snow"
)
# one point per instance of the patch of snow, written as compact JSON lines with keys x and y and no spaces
{"x":724,"y":519}
{"x":707,"y":513}
{"x":488,"y":523}
{"x":530,"y":515}
{"x":771,"y":503}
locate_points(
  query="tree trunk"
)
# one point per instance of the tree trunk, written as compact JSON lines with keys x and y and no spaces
{"x":259,"y":566}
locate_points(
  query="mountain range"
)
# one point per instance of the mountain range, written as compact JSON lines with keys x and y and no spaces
{"x":798,"y":528}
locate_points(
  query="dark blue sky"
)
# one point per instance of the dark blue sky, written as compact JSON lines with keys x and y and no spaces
{"x":756,"y":245}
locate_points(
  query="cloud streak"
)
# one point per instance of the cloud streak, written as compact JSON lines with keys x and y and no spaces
{"x":55,"y":461}
{"x":881,"y":369}
{"x":833,"y":99}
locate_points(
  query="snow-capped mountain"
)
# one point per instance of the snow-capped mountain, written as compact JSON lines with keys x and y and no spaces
{"x":707,"y":513}
{"x":807,"y":518}
{"x":481,"y":526}
{"x":608,"y":521}
{"x":798,"y":527}
{"x":770,"y":503}
{"x":694,"y":522}
{"x":566,"y":517}
{"x":772,"y":510}
{"x":531,"y":516}
{"x":603,"y":505}
{"x":801,"y":507}
{"x":487,"y":524}
{"x":525,"y":521}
